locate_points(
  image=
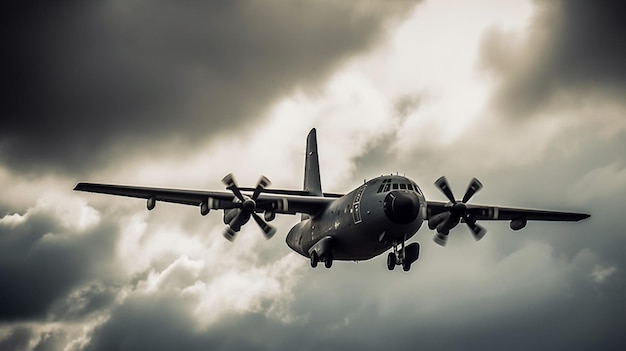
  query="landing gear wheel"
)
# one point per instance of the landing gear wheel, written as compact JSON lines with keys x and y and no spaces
{"x":314,"y":259}
{"x":391,"y":261}
{"x":406,"y":266}
{"x":328,"y":261}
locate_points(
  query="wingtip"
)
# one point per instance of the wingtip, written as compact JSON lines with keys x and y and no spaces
{"x":580,"y":216}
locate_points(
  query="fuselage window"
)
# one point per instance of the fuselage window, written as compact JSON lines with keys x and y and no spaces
{"x":381,"y":187}
{"x":395,"y":186}
{"x":410,"y":187}
{"x":386,"y":187}
{"x":403,"y":186}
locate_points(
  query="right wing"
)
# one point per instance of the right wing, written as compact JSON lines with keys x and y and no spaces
{"x":495,"y":213}
{"x":277,"y":203}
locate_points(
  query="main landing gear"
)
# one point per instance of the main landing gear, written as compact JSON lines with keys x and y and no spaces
{"x":327,"y":258}
{"x":322,"y":251}
{"x":403,"y":255}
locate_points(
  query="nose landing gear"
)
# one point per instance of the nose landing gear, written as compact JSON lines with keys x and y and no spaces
{"x":403,"y":255}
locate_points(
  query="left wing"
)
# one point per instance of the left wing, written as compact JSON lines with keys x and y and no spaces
{"x":277,"y":203}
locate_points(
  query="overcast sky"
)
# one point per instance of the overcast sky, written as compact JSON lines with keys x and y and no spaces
{"x":527,"y":96}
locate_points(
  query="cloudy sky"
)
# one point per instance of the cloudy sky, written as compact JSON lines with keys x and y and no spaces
{"x":528,"y":96}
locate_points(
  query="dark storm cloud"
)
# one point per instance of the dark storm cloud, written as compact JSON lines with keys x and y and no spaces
{"x":155,"y":323}
{"x":83,"y":80}
{"x":41,"y":262}
{"x":350,"y":306}
{"x":573,"y":47}
{"x":17,"y":339}
{"x":355,"y":315}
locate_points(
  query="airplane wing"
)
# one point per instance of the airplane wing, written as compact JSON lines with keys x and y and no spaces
{"x":494,"y":213}
{"x":277,"y":203}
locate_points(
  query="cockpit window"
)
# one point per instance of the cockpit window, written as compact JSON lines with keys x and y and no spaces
{"x":417,"y":189}
{"x":384,"y":187}
{"x":388,"y":185}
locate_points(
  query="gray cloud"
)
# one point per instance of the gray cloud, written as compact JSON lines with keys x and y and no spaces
{"x":550,"y":286}
{"x":555,"y":303}
{"x":368,"y":311}
{"x":84,"y":80}
{"x":573,"y":51}
{"x":42,"y":260}
{"x":16,"y":339}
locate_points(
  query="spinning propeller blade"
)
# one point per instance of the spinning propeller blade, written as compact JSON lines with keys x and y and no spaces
{"x":442,"y":184}
{"x":477,"y":230}
{"x":246,"y":207}
{"x":229,"y":181}
{"x":268,"y":230}
{"x":474,"y":186}
{"x":455,"y":212}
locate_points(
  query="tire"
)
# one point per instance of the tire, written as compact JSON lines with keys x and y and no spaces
{"x":391,"y":261}
{"x":328,"y":262}
{"x":314,"y":259}
{"x":406,"y":266}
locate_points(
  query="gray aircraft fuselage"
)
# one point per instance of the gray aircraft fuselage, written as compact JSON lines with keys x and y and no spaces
{"x":366,"y":221}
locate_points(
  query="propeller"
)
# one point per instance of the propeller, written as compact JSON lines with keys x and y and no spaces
{"x":454,"y":212}
{"x":246,"y":208}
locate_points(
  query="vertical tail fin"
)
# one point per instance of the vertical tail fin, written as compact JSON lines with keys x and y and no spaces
{"x":312,"y":182}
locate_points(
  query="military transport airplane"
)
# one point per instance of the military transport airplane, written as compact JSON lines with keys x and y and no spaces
{"x":380,"y":215}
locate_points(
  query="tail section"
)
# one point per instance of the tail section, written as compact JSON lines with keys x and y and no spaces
{"x":312,"y":182}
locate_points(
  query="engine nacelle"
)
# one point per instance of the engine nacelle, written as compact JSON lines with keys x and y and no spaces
{"x":269,"y":216}
{"x":204,"y":208}
{"x":229,"y":215}
{"x":518,"y":224}
{"x":151,"y":203}
{"x":436,"y":220}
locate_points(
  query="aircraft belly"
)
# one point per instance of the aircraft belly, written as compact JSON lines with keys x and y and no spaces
{"x":364,"y":252}
{"x":373,"y":236}
{"x":353,"y":245}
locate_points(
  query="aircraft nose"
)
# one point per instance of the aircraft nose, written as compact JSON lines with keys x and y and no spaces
{"x":401,"y":207}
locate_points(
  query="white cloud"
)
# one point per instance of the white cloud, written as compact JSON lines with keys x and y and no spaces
{"x":71,"y":211}
{"x":174,"y":251}
{"x":12,"y":220}
{"x":601,"y":273}
{"x":355,"y":108}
